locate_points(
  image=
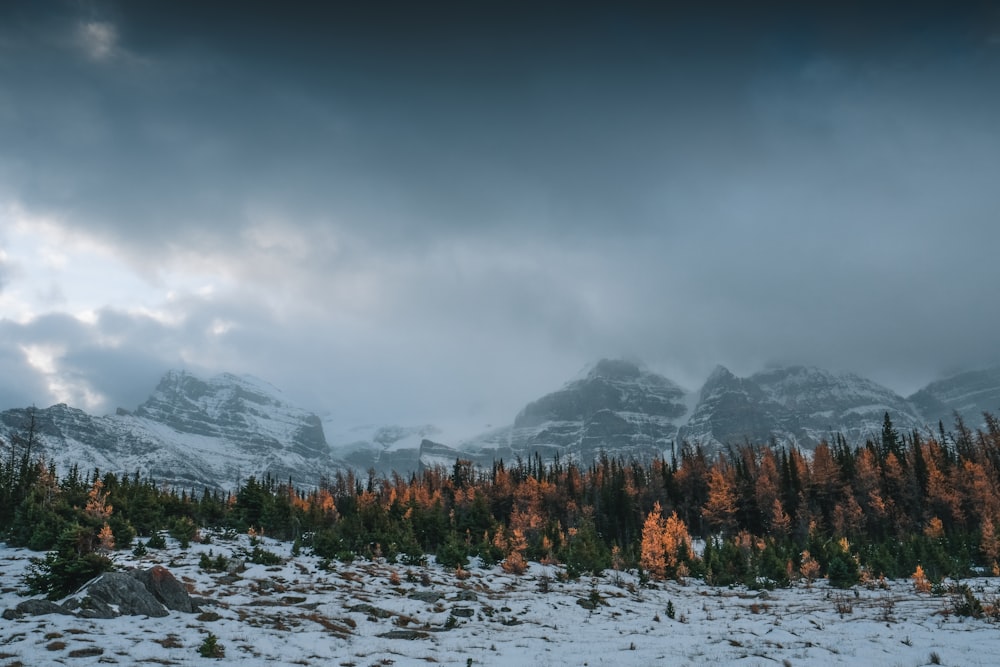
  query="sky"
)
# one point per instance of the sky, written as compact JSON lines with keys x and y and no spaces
{"x":423,"y":212}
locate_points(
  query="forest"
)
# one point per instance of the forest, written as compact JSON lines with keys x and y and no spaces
{"x":900,"y":505}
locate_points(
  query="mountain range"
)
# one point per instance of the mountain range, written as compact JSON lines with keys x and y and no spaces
{"x":193,"y":432}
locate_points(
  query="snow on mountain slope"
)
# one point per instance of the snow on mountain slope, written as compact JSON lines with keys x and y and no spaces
{"x":194,"y":432}
{"x":824,"y":403}
{"x":618,"y":407}
{"x":390,"y":448}
{"x":795,"y":404}
{"x":733,"y":410}
{"x":190,"y":432}
{"x":234,"y":408}
{"x":970,"y":394}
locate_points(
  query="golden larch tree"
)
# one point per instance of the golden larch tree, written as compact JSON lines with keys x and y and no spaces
{"x":652,"y":557}
{"x":720,"y":510}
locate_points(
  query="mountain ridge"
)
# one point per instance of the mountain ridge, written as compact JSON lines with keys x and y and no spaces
{"x":213,"y":432}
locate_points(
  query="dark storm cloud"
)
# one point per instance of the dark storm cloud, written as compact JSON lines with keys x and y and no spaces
{"x":398,"y":118}
{"x":493,"y":193}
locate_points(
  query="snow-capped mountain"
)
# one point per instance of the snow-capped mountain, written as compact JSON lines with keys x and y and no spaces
{"x":190,"y":432}
{"x":193,"y":432}
{"x":385,"y":449}
{"x":969,"y":394}
{"x":795,"y":404}
{"x":618,"y":407}
{"x":732,"y":410}
{"x":622,"y":409}
{"x":235,"y":409}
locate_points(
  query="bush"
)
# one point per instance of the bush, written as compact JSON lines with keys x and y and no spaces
{"x":183,"y":530}
{"x":156,"y":541}
{"x":964,"y":602}
{"x":585,"y":552}
{"x":211,"y":648}
{"x":412,"y":556}
{"x":842,"y":571}
{"x":208,"y":563}
{"x":514,"y":563}
{"x":262,"y":556}
{"x":453,"y":553}
{"x":70,"y":565}
{"x":123,"y":531}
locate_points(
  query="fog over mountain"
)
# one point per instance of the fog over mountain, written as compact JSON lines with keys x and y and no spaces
{"x":193,"y":432}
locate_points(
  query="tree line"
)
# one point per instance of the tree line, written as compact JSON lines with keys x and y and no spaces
{"x":763,"y":514}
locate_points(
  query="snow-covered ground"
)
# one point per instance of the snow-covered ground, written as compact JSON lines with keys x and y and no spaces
{"x":298,"y":614}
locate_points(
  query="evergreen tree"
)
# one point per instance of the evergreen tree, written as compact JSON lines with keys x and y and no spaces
{"x":72,"y":563}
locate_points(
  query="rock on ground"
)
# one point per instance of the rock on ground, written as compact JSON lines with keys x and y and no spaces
{"x":166,"y":589}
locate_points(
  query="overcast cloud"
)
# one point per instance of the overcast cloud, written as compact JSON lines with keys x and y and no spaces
{"x":407,"y":213}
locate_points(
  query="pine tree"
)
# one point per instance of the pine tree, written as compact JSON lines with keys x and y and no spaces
{"x":70,"y":565}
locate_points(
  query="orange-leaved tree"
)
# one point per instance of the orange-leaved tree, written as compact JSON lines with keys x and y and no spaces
{"x":666,"y":545}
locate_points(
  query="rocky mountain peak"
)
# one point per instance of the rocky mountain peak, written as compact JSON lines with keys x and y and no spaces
{"x":194,"y":431}
{"x":720,"y":375}
{"x":238,"y":408}
{"x":615,"y":369}
{"x":969,"y":394}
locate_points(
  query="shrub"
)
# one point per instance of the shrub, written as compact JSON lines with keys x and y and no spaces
{"x":123,"y":531}
{"x":453,"y":553}
{"x":842,"y":570}
{"x":70,"y":565}
{"x":183,"y":530}
{"x":842,"y":604}
{"x":262,"y":556}
{"x":965,"y":603}
{"x":585,"y":552}
{"x":156,"y":541}
{"x":514,"y":563}
{"x":211,"y":648}
{"x":209,"y":564}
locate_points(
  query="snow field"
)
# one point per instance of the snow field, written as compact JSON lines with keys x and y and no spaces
{"x":299,"y":614}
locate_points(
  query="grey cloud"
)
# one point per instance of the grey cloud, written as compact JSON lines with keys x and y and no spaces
{"x":487,"y":207}
{"x":20,"y":386}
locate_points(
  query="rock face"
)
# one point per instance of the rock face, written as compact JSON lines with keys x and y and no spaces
{"x":394,"y":448}
{"x":216,"y":432}
{"x":624,"y":410}
{"x":732,"y":410}
{"x":190,"y":432}
{"x":166,"y":589}
{"x":34,"y":607}
{"x":618,"y":407}
{"x":969,"y":394}
{"x":823,"y":403}
{"x":234,"y":408}
{"x":794,"y":404}
{"x":141,"y":593}
{"x":119,"y":594}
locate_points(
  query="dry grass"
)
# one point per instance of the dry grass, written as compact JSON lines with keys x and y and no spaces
{"x":89,"y":652}
{"x":341,"y":631}
{"x":171,"y":641}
